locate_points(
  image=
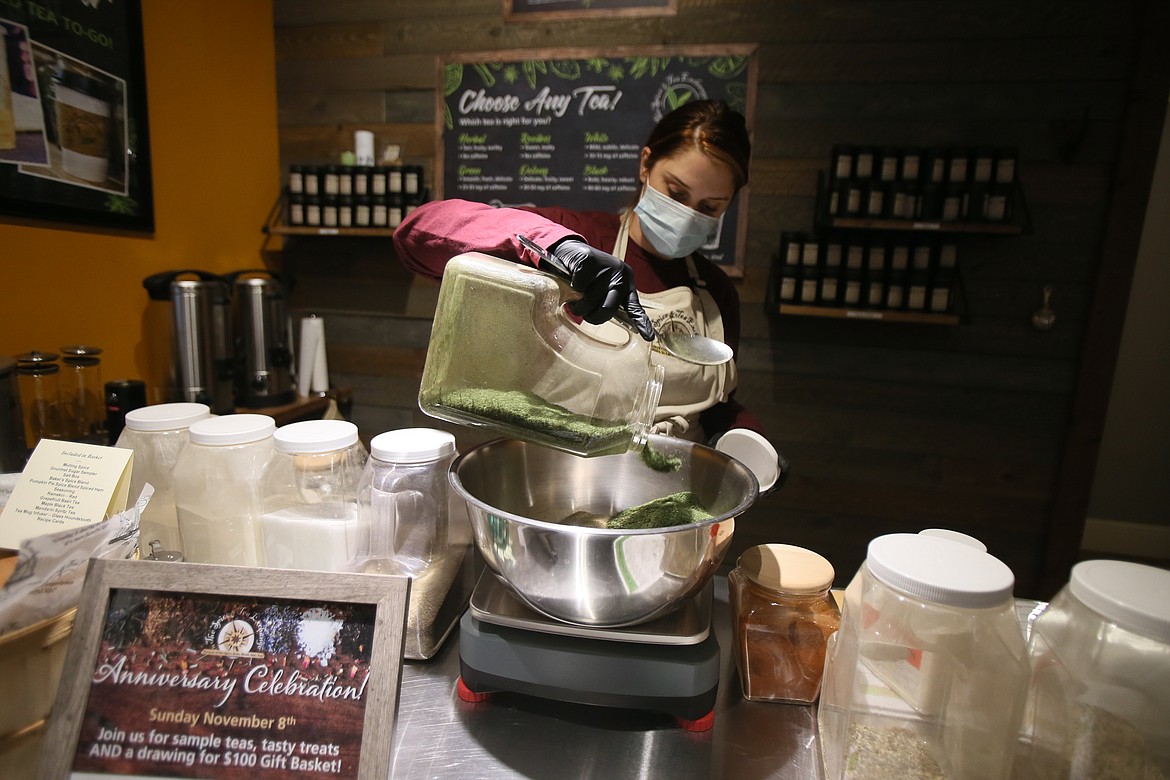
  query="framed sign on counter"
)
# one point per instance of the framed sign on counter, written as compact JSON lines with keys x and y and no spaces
{"x":550,"y":10}
{"x":74,"y":141}
{"x":566,"y":128}
{"x":195,"y":670}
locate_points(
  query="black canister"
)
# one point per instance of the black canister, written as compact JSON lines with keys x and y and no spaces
{"x":122,"y":396}
{"x":12,"y":445}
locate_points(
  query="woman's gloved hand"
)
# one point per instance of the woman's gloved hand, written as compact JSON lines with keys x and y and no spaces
{"x":605,"y":284}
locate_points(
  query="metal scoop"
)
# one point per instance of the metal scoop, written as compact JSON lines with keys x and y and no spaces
{"x":700,"y":350}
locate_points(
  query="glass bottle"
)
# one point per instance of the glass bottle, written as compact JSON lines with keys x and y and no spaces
{"x":309,"y":496}
{"x":38,"y":376}
{"x":82,"y":395}
{"x":217,"y":489}
{"x":158,"y":434}
{"x":784,"y":615}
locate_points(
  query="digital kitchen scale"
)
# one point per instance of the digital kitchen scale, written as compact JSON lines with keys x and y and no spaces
{"x":668,"y":665}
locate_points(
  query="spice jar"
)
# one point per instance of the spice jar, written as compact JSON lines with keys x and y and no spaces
{"x":1100,"y":693}
{"x":308,"y":494}
{"x":928,"y":674}
{"x":217,"y":489}
{"x":784,"y":615}
{"x":403,"y":501}
{"x":157,"y":435}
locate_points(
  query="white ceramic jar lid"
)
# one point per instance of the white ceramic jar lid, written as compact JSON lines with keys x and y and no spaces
{"x":1133,"y":595}
{"x":786,"y":568}
{"x":412,"y":445}
{"x":315,"y":436}
{"x":940,"y":571}
{"x":232,"y":429}
{"x":166,"y":417}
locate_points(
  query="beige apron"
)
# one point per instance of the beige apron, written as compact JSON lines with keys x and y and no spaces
{"x":688,"y":388}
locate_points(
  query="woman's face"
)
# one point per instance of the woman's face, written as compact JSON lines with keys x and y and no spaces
{"x":693,"y":179}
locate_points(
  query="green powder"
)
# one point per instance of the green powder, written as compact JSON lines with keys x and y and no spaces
{"x":660,"y":461}
{"x":675,"y":509}
{"x":535,"y":419}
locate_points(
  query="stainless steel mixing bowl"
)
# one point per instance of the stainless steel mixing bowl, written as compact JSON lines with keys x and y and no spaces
{"x":519,"y":493}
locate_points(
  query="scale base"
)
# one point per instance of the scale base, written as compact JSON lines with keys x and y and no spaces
{"x":678,"y":680}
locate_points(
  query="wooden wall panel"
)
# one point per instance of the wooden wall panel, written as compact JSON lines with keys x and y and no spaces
{"x":888,"y":426}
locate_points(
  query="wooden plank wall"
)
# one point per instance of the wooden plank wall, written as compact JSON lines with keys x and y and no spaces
{"x":887,"y":426}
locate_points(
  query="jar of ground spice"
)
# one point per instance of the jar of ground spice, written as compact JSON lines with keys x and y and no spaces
{"x":784,"y":616}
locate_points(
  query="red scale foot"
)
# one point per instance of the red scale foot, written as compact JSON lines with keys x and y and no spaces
{"x":468,"y":695}
{"x":702,"y":724}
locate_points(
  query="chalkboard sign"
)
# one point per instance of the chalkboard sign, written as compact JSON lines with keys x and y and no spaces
{"x":566,"y":128}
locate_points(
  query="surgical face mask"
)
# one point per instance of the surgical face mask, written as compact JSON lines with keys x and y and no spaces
{"x":674,"y":230}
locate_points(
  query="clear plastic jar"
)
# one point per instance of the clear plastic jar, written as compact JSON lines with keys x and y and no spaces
{"x":1100,"y":652}
{"x":158,"y":434}
{"x":588,"y":390}
{"x":784,"y":615}
{"x":928,"y":673}
{"x":403,"y":501}
{"x":308,"y":496}
{"x":217,"y":489}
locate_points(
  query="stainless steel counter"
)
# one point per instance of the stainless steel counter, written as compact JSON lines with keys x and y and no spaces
{"x":511,"y":736}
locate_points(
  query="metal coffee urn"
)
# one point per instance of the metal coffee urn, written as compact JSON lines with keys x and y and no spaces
{"x":197,"y":307}
{"x":263,"y":343}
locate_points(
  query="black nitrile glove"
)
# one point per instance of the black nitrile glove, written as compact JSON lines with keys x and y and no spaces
{"x":605,"y":284}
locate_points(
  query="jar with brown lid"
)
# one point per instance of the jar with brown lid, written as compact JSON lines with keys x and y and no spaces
{"x":784,"y":616}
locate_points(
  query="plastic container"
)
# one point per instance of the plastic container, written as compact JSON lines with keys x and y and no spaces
{"x":309,"y":496}
{"x":784,"y":616}
{"x":403,"y":501}
{"x":928,"y":674}
{"x":158,"y":434}
{"x":38,"y":375}
{"x":217,"y":489}
{"x":1100,"y":652}
{"x":505,"y":354}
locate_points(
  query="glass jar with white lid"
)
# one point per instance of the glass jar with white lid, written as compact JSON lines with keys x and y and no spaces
{"x":158,"y":434}
{"x":217,"y":489}
{"x":308,"y":492}
{"x":927,"y":675}
{"x":1100,"y":693}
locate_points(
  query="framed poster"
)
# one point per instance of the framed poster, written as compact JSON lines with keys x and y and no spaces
{"x":546,"y":10}
{"x":565,"y":128}
{"x":195,"y":670}
{"x":74,"y":142}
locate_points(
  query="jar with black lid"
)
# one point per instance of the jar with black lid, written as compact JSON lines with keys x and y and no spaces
{"x":311,"y":176}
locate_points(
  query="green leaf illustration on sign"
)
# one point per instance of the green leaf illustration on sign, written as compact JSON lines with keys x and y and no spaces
{"x":644,"y":67}
{"x":597,"y":64}
{"x":531,"y":69}
{"x":727,"y":67}
{"x":452,"y":77}
{"x":569,"y":70}
{"x":484,"y":69}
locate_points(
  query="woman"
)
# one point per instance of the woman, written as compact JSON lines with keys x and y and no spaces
{"x":644,"y":259}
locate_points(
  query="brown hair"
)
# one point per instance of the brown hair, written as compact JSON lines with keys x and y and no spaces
{"x":712,"y":127}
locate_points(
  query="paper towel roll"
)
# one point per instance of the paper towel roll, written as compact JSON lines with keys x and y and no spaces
{"x":320,"y":381}
{"x":312,"y":340}
{"x":363,"y":147}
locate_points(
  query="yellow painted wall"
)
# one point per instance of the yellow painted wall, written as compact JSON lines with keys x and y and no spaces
{"x":211,"y":93}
